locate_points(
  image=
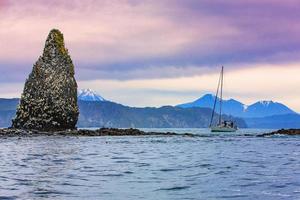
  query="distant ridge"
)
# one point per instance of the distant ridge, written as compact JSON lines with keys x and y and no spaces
{"x":110,"y":114}
{"x":238,"y":109}
{"x":89,"y":95}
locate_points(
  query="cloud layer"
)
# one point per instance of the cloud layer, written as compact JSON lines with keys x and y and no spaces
{"x":133,"y":40}
{"x":116,"y":37}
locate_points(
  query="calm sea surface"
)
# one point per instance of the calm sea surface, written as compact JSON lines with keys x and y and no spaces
{"x":215,"y":166}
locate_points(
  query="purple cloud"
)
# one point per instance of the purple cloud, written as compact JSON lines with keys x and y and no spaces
{"x":130,"y":39}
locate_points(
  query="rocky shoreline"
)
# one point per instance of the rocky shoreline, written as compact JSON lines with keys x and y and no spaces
{"x":290,"y":132}
{"x":12,"y":132}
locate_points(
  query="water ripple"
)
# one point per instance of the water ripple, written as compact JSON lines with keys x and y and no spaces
{"x":210,"y":167}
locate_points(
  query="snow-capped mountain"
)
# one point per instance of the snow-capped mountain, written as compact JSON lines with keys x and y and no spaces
{"x":267,"y":108}
{"x":89,"y":95}
{"x":236,"y":108}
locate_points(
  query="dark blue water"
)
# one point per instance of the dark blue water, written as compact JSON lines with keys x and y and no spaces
{"x":215,"y":167}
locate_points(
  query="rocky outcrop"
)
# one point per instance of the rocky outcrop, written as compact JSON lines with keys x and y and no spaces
{"x":49,"y":99}
{"x":290,"y":132}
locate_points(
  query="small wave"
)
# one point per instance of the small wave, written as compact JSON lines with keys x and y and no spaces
{"x":278,"y":186}
{"x":21,"y":165}
{"x":8,"y":197}
{"x":90,"y":171}
{"x":36,"y":155}
{"x":158,"y":141}
{"x":247,"y":161}
{"x":58,"y":161}
{"x":194,"y":175}
{"x":278,"y":194}
{"x":76,"y":159}
{"x":40,"y":191}
{"x":71,"y":184}
{"x":170,"y":170}
{"x":128,"y":172}
{"x":251,"y":184}
{"x":140,"y":152}
{"x":92,"y":154}
{"x":143,"y":164}
{"x":122,"y":161}
{"x":112,"y":175}
{"x":121,"y":158}
{"x":87,"y":167}
{"x":232,"y":196}
{"x":174,"y":188}
{"x":204,"y":165}
{"x":221,"y":172}
{"x":247,"y":179}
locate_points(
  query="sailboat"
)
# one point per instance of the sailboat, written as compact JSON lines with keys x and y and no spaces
{"x":221,"y":126}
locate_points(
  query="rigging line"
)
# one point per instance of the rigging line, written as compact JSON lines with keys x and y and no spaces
{"x":215,"y":102}
{"x":221,"y":95}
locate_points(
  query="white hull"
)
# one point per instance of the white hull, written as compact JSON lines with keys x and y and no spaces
{"x":223,"y":129}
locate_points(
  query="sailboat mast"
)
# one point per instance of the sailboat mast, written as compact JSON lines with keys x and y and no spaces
{"x":221,"y":95}
{"x":215,"y":102}
{"x":216,"y":98}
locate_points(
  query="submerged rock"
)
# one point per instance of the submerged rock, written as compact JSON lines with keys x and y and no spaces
{"x":49,"y":99}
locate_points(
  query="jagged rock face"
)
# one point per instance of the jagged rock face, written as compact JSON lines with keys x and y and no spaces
{"x":49,"y":99}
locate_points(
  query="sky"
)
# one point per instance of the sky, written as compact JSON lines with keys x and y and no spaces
{"x":160,"y":52}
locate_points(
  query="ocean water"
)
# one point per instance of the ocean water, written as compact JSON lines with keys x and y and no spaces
{"x":214,"y":166}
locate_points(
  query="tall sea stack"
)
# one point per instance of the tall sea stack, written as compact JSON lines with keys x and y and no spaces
{"x":49,"y":99}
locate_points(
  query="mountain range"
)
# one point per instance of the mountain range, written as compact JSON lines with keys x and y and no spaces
{"x":95,"y":111}
{"x":238,"y":109}
{"x":110,"y":114}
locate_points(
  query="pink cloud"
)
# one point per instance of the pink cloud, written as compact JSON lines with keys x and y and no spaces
{"x":105,"y":31}
{"x":125,"y":36}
